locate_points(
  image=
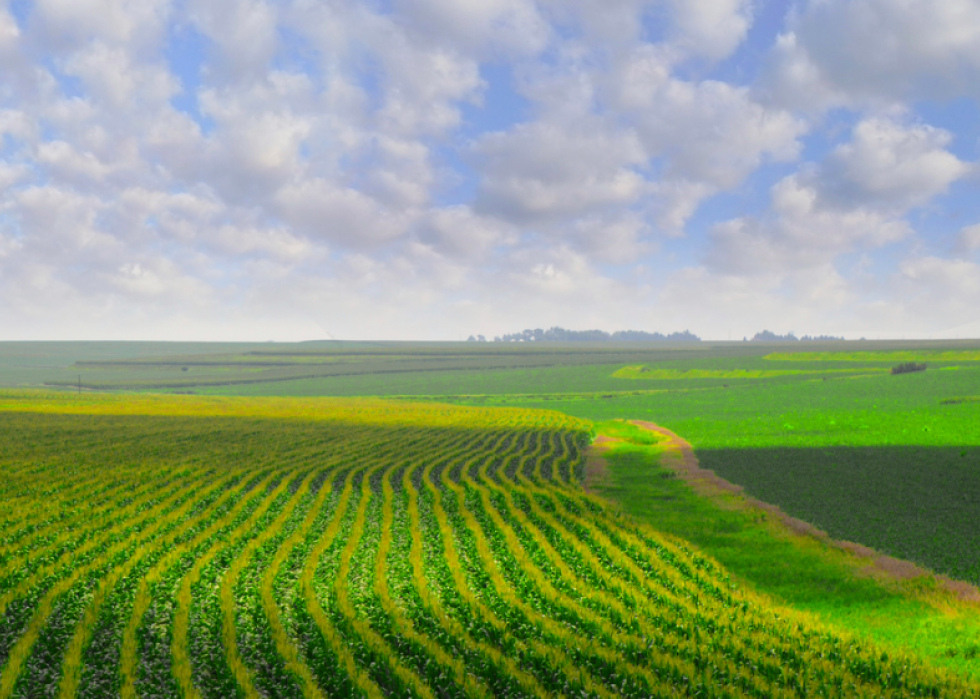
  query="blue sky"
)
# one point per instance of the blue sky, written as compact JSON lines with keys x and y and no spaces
{"x":428,"y":169}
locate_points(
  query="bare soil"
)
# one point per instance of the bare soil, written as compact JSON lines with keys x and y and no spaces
{"x":596,"y":470}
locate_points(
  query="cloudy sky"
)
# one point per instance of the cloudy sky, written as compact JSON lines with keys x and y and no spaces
{"x":427,"y":169}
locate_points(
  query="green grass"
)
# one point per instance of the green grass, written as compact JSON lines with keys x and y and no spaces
{"x":805,"y":572}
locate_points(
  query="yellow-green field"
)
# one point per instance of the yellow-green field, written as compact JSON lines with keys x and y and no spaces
{"x":197,"y":547}
{"x":651,"y":373}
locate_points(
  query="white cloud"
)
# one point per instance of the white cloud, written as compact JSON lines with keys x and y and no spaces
{"x":74,"y":23}
{"x":333,"y":214}
{"x":619,"y":237}
{"x":713,"y":132}
{"x":244,"y":35}
{"x":458,"y":232}
{"x":480,"y":27}
{"x":710,"y":28}
{"x":16,"y":123}
{"x":675,"y":201}
{"x":854,"y":200}
{"x":610,"y":25}
{"x":114,"y":79}
{"x":800,"y":233}
{"x":968,"y":239}
{"x":541,"y":171}
{"x":11,"y":175}
{"x":63,"y":161}
{"x":878,"y":52}
{"x":346,"y":165}
{"x":9,"y":32}
{"x":707,"y":136}
{"x":936,"y":293}
{"x":891,"y":165}
{"x":423,"y":88}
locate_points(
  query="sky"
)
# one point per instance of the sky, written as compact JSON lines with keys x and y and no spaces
{"x":431,"y":169}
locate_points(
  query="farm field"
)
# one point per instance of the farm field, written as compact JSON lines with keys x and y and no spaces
{"x":891,"y":462}
{"x":822,"y":430}
{"x":218,"y":547}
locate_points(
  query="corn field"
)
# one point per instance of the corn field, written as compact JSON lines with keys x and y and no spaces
{"x":247,"y":548}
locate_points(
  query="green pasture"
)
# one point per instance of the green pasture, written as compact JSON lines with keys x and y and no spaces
{"x":914,"y":615}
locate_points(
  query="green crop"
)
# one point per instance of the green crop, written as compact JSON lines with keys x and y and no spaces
{"x":363,"y":548}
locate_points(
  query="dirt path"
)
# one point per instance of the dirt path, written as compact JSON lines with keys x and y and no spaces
{"x":679,"y":456}
{"x":596,"y":470}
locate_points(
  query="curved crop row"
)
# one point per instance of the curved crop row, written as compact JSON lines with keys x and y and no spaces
{"x":360,"y":548}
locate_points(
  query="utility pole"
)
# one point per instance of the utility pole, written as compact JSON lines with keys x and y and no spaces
{"x":79,"y":384}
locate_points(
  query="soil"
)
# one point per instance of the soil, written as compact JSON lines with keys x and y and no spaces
{"x":679,"y":456}
{"x":596,"y":470}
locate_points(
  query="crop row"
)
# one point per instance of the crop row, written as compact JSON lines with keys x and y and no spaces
{"x":372,"y":550}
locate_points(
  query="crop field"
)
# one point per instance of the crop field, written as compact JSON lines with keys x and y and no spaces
{"x":650,"y":373}
{"x":224,"y":547}
{"x":890,"y":462}
{"x":891,"y":356}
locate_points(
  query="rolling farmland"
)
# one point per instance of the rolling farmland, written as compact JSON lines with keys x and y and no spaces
{"x":160,"y":546}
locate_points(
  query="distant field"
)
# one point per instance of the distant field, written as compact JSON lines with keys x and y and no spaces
{"x":892,"y":462}
{"x":895,"y":356}
{"x":650,"y":373}
{"x":434,"y":369}
{"x":154,"y":546}
{"x":824,"y":431}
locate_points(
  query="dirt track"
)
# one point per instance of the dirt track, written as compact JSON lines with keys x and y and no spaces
{"x":680,"y":457}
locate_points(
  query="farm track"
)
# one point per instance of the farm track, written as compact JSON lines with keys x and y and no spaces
{"x":385,"y":550}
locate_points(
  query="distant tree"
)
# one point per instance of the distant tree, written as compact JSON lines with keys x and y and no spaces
{"x":908,"y":368}
{"x":557,"y":334}
{"x":767,"y":336}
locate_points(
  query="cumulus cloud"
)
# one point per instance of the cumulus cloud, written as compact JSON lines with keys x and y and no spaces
{"x":800,"y":233}
{"x":479,"y":27}
{"x":459,"y":232}
{"x":711,"y":29}
{"x":707,"y":136}
{"x":539,"y":171}
{"x":838,"y":52}
{"x":343,"y":215}
{"x":713,"y":132}
{"x":243,"y":36}
{"x":364,"y":171}
{"x":969,"y":238}
{"x":9,"y":31}
{"x":854,"y":200}
{"x":66,"y":24}
{"x":891,"y":165}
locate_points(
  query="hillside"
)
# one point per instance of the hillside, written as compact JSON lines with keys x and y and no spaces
{"x":168,"y":546}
